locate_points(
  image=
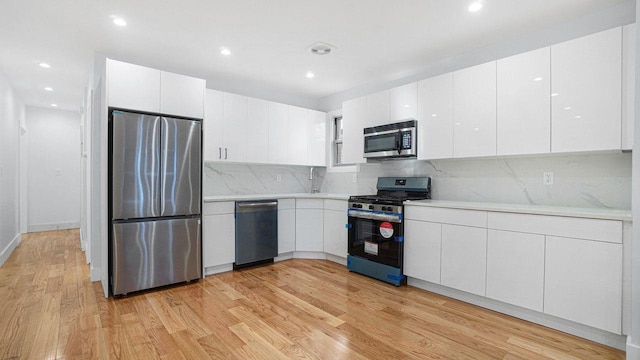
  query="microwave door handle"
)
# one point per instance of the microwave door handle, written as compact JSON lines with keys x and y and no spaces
{"x":399,"y":142}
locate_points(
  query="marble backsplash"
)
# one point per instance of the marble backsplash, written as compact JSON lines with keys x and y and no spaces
{"x":246,"y":179}
{"x":592,"y":181}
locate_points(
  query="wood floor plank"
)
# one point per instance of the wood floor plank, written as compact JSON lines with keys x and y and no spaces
{"x":302,"y":309}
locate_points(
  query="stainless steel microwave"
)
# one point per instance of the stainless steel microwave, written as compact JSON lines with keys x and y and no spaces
{"x":391,"y":140}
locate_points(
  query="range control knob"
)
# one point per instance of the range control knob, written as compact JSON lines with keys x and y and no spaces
{"x":370,"y":207}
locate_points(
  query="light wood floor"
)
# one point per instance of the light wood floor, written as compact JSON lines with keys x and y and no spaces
{"x":310,"y":309}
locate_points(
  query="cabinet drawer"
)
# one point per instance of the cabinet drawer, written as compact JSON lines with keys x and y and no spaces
{"x":337,"y":205}
{"x":581,"y":228}
{"x":447,"y":216}
{"x":222,"y":207}
{"x":309,"y":203}
{"x":284,"y":204}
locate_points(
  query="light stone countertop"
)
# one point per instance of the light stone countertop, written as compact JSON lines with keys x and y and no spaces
{"x":276,"y":196}
{"x":591,"y":213}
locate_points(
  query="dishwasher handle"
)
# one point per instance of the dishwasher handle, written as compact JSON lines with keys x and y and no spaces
{"x":253,"y":206}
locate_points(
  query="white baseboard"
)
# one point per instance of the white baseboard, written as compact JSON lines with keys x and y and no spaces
{"x":50,"y":227}
{"x":6,"y":252}
{"x":336,"y":259}
{"x":217,"y":269}
{"x":96,"y":274}
{"x":309,"y":255}
{"x":633,"y":351}
{"x":570,"y":327}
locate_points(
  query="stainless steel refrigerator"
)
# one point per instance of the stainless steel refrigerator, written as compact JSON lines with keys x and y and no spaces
{"x":155,"y":192}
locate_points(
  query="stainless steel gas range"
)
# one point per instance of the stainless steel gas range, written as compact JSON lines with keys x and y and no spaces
{"x":376,"y":228}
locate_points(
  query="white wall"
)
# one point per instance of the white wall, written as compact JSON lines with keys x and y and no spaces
{"x":11,"y":117}
{"x":53,"y":161}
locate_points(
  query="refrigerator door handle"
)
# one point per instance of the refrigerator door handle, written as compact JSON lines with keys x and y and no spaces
{"x":225,"y":153}
{"x":220,"y":153}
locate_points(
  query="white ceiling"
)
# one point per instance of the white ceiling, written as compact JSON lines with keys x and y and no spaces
{"x":375,"y":40}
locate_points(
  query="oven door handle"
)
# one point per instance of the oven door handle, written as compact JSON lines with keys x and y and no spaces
{"x":372,"y":215}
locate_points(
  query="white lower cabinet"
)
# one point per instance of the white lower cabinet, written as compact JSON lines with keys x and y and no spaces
{"x":286,"y":225}
{"x":464,"y":258}
{"x":583,"y":282}
{"x":422,"y":246}
{"x":515,"y":268}
{"x":218,"y":234}
{"x":335,"y":232}
{"x":309,"y":225}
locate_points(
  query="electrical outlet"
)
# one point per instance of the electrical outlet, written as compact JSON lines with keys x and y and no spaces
{"x":278,"y":177}
{"x":547,"y":178}
{"x":354,"y":178}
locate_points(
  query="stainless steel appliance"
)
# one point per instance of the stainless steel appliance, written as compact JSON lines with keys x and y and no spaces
{"x":391,"y":141}
{"x":154,"y":207}
{"x":376,"y":228}
{"x":256,"y":232}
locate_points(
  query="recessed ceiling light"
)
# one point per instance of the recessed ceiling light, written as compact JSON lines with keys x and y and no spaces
{"x":119,"y":21}
{"x":321,"y":48}
{"x":225,"y":51}
{"x":310,"y":75}
{"x":537,"y":79}
{"x":434,"y":115}
{"x":475,"y":6}
{"x":54,"y":105}
{"x":45,"y":65}
{"x":48,"y":88}
{"x":554,"y":94}
{"x":568,"y":108}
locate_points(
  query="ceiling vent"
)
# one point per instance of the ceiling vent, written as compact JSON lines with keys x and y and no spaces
{"x":321,"y":48}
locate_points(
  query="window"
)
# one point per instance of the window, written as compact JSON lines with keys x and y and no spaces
{"x":337,"y":141}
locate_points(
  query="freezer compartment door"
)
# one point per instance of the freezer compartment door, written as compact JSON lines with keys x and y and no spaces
{"x":154,"y":253}
{"x":181,"y":164}
{"x":135,"y":166}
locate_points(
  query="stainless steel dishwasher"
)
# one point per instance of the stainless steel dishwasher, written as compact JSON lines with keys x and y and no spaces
{"x":256,"y":232}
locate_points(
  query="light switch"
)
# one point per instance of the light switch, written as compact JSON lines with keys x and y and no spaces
{"x":278,"y":177}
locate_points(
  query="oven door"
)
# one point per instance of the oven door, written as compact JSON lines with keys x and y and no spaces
{"x":376,"y":236}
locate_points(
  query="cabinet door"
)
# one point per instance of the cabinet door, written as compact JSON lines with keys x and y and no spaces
{"x":583,"y":282}
{"x":218,"y":240}
{"x":377,"y":109}
{"x":435,"y":117}
{"x":515,"y":268}
{"x":316,"y":138}
{"x":524,"y":119}
{"x":286,"y":231}
{"x":464,"y":258}
{"x":309,"y":230}
{"x":212,"y":126}
{"x":335,"y":232}
{"x":234,"y":127}
{"x":353,"y":115}
{"x":628,"y":84}
{"x":298,"y":122}
{"x":474,"y":97}
{"x":181,"y":95}
{"x":257,"y":131}
{"x":133,"y":87}
{"x":278,"y":133}
{"x":422,"y":246}
{"x":586,"y":89}
{"x":403,"y":102}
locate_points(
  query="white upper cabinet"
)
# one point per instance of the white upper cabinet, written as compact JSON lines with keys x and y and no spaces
{"x":234,"y":127}
{"x":628,"y":84}
{"x":586,"y":93}
{"x":353,"y":120}
{"x":278,"y":133}
{"x":133,"y":87}
{"x":474,"y":96}
{"x":435,"y":117}
{"x":298,"y":119}
{"x":257,"y":130}
{"x":317,"y":138}
{"x":212,"y":126}
{"x":403,"y":102}
{"x":181,"y":95}
{"x":524,"y":88}
{"x":377,"y":112}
